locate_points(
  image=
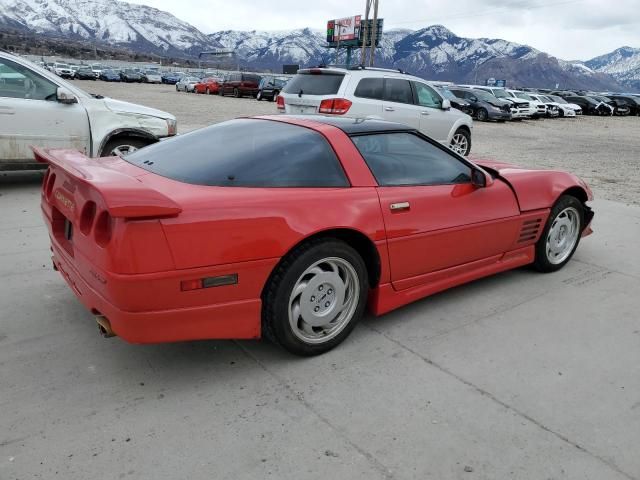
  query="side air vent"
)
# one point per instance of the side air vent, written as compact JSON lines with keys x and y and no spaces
{"x":530,"y":229}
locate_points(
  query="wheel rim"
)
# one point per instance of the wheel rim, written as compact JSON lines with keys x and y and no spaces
{"x":459,"y":143}
{"x":323,"y":300}
{"x":563,"y":235}
{"x":121,"y":150}
{"x":482,"y":115}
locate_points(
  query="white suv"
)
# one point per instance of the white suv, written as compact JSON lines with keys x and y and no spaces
{"x":381,"y":94}
{"x":39,"y":108}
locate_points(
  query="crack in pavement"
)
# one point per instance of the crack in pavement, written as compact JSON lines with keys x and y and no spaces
{"x":492,"y":397}
{"x":382,"y":469}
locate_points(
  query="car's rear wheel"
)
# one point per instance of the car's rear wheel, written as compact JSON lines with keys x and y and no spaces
{"x":315,"y":297}
{"x":561,"y":234}
{"x":461,"y":142}
{"x":482,"y":115}
{"x":123,"y":145}
{"x":236,"y":93}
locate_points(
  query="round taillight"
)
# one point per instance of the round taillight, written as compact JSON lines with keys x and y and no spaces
{"x":87,"y":216}
{"x":103,"y":228}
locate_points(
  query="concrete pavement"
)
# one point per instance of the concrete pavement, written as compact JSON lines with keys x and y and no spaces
{"x":518,"y":376}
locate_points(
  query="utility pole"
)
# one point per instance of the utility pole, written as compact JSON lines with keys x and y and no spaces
{"x":374,"y":32}
{"x":363,"y":53}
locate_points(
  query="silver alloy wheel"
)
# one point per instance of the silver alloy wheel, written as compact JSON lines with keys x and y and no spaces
{"x":323,"y":300}
{"x":121,"y":150}
{"x":563,"y":235}
{"x":459,"y":143}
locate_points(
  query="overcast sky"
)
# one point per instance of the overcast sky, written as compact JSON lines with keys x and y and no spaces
{"x":569,"y":29}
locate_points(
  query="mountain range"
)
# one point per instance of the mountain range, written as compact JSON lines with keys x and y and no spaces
{"x":433,"y":52}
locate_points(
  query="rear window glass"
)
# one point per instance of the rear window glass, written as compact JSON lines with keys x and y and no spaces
{"x":251,"y":78}
{"x":245,"y":153}
{"x":370,"y":88}
{"x":314,"y":83}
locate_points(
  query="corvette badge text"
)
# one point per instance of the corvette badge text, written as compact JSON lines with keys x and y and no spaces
{"x":66,"y":202}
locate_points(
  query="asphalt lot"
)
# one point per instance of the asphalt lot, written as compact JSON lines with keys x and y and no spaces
{"x":518,"y":376}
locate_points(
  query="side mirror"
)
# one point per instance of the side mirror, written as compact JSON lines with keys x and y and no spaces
{"x":480,"y":179}
{"x":446,"y":104}
{"x":65,"y":96}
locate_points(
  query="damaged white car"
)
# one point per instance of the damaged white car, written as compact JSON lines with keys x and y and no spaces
{"x":39,"y":108}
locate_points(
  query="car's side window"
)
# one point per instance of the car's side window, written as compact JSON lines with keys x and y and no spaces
{"x":427,"y":96}
{"x":370,"y":88}
{"x":17,"y":81}
{"x":397,"y":90}
{"x":405,"y":159}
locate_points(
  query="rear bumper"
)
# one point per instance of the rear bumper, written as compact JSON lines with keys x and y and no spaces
{"x":236,"y":319}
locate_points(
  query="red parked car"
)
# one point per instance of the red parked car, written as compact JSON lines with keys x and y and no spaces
{"x":208,"y":85}
{"x":293,"y":228}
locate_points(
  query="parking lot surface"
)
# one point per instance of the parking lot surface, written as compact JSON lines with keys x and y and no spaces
{"x":518,"y":376}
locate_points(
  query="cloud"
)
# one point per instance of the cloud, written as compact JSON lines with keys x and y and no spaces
{"x":570,"y":29}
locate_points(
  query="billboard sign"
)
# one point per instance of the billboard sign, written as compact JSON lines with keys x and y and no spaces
{"x":492,"y":82}
{"x":343,"y":29}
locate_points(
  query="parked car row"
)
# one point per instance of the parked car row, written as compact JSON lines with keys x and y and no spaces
{"x":102,"y":72}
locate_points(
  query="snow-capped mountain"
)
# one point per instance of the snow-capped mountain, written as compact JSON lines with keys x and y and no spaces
{"x":622,"y":64}
{"x":111,"y":22}
{"x":434,"y":52}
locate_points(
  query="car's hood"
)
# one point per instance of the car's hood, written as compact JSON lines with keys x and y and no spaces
{"x":126,"y":107}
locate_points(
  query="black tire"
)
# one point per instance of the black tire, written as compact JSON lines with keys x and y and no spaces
{"x":482,"y":115}
{"x":275,"y":309}
{"x":111,"y":145}
{"x":236,"y":93}
{"x":561,"y":114}
{"x":542,"y":262}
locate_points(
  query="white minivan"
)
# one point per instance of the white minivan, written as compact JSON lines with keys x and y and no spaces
{"x":38,"y":108}
{"x":381,"y":94}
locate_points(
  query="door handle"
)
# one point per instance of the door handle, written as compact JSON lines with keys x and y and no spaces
{"x":389,"y":109}
{"x":424,"y":113}
{"x":7,"y":111}
{"x":397,"y":207}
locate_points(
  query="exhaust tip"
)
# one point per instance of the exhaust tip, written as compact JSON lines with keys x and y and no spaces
{"x":104,"y":326}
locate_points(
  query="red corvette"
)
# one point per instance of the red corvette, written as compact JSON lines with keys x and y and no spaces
{"x":207,"y":85}
{"x":291,"y":225}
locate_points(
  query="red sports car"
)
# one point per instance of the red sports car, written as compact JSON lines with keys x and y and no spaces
{"x":290,"y":226}
{"x":208,"y":85}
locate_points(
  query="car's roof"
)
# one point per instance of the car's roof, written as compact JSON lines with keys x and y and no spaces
{"x":348,"y":125}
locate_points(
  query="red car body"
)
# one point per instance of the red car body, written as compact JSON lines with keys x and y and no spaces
{"x":141,"y":241}
{"x":208,"y":85}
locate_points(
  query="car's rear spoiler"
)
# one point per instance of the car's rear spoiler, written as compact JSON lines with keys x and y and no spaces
{"x":123,"y":196}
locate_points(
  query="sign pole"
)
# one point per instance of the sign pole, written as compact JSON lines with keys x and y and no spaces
{"x":374,"y":33}
{"x":363,"y":53}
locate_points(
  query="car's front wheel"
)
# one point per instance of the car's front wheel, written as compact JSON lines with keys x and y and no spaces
{"x":259,"y":96}
{"x":461,"y":142}
{"x":315,"y":297}
{"x":123,"y":145}
{"x":561,"y":234}
{"x":482,"y":115}
{"x":236,"y":93}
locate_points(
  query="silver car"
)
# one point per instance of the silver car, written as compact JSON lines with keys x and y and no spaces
{"x":187,"y":84}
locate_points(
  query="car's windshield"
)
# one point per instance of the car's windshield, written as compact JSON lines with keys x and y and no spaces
{"x":499,"y":93}
{"x":314,"y":83}
{"x":446,"y":93}
{"x":523,"y":96}
{"x":482,"y":95}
